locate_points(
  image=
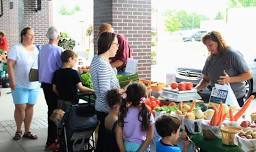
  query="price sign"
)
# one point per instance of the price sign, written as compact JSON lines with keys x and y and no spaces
{"x":218,"y":95}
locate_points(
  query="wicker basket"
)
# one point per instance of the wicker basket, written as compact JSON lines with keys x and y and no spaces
{"x":253,"y":117}
{"x":228,"y":134}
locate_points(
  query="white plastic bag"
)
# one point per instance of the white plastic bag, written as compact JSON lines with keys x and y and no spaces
{"x":223,"y":93}
{"x":131,"y":66}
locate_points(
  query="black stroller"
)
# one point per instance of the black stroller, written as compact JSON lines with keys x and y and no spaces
{"x":76,"y":130}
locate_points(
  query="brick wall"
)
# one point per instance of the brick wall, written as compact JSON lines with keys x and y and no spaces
{"x":23,"y":14}
{"x":9,"y":21}
{"x":133,"y":19}
{"x":38,"y":20}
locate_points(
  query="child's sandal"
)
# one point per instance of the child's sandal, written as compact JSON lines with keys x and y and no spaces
{"x":29,"y":135}
{"x":17,"y":135}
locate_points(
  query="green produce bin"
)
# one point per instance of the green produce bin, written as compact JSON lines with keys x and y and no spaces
{"x":125,"y":79}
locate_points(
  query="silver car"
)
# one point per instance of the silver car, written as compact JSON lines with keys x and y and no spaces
{"x":194,"y":75}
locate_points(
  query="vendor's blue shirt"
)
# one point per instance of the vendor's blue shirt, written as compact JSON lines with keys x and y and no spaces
{"x":162,"y":147}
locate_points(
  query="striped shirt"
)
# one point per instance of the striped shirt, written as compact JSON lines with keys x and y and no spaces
{"x":104,"y":79}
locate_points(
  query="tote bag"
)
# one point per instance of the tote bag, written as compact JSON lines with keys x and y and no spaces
{"x":223,"y":93}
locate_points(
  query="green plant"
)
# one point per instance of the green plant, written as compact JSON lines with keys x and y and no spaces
{"x":153,"y":57}
{"x":66,"y":42}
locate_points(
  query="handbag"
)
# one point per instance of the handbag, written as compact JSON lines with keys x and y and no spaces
{"x":33,"y":73}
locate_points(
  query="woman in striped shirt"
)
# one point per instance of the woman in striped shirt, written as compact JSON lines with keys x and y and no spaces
{"x":104,"y":77}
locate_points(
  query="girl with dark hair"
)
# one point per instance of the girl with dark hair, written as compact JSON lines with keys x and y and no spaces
{"x":224,"y":65}
{"x":114,"y":101}
{"x":134,"y":131}
{"x":21,"y":58}
{"x":104,"y":78}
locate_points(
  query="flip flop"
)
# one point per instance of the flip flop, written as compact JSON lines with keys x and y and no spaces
{"x":29,"y":135}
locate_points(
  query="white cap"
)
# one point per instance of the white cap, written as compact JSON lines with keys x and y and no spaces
{"x":52,"y":33}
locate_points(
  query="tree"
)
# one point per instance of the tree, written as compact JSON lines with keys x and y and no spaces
{"x":220,"y":16}
{"x":182,"y":20}
{"x":89,"y":33}
{"x":66,"y":42}
{"x":65,"y":11}
{"x":172,"y":22}
{"x":241,"y":3}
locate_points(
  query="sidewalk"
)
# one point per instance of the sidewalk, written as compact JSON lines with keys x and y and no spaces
{"x":8,"y":128}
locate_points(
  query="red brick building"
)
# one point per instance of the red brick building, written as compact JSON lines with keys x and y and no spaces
{"x":129,"y":17}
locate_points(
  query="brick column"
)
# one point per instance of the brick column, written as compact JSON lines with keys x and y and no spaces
{"x":38,"y":20}
{"x":9,"y":21}
{"x":21,"y":13}
{"x":133,"y":19}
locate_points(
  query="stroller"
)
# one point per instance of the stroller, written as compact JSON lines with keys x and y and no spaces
{"x":76,"y":129}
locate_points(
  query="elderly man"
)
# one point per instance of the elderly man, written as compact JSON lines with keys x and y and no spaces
{"x":49,"y":61}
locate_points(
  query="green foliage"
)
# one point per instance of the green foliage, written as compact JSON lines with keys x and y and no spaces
{"x":87,"y":80}
{"x":89,"y":31}
{"x":66,"y":42}
{"x":182,"y":20}
{"x":241,"y":3}
{"x":153,"y":57}
{"x":126,"y":79}
{"x":67,"y":12}
{"x":171,"y":23}
{"x":220,"y":16}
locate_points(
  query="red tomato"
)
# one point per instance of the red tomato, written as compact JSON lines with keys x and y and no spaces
{"x":182,"y":86}
{"x":189,"y":85}
{"x":174,"y":85}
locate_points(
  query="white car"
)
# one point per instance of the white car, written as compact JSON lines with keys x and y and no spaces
{"x":194,"y":75}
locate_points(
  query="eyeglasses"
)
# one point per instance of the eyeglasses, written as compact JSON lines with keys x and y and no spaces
{"x":116,"y":44}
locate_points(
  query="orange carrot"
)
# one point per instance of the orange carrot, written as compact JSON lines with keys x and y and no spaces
{"x":220,"y":114}
{"x":214,"y":120}
{"x":231,"y":116}
{"x":243,"y":109}
{"x":222,"y":118}
{"x":192,"y":106}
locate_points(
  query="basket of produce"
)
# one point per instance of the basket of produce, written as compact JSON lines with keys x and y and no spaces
{"x":228,"y":134}
{"x":211,"y":129}
{"x":210,"y":132}
{"x":193,"y":126}
{"x":246,"y":140}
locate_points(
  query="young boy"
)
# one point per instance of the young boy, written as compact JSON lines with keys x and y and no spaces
{"x":168,"y":128}
{"x":66,"y":81}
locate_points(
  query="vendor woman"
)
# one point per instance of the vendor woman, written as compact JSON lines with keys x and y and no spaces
{"x":224,"y":65}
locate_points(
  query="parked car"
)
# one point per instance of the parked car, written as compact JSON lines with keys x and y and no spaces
{"x":194,"y":75}
{"x":198,"y":35}
{"x":193,"y":35}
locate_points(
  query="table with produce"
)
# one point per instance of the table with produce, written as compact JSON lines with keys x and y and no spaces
{"x":87,"y":81}
{"x":211,"y":126}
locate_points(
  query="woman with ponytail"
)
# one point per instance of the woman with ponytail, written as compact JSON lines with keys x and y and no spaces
{"x":134,"y":131}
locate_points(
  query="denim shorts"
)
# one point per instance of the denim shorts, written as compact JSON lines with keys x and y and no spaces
{"x":25,"y":96}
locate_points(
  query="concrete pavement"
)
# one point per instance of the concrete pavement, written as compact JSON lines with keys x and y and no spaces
{"x":7,"y":125}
